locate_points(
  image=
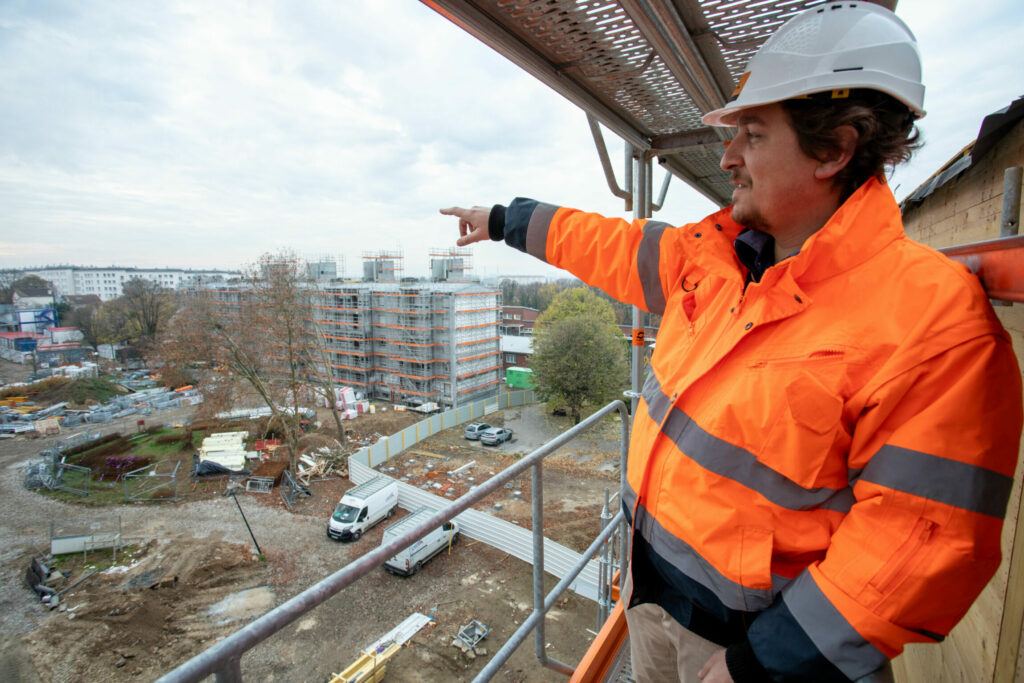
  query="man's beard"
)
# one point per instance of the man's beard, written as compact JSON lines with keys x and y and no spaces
{"x":749,"y":218}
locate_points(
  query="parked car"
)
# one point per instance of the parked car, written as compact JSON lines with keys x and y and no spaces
{"x":473,"y":430}
{"x":409,"y":561}
{"x":495,"y":435}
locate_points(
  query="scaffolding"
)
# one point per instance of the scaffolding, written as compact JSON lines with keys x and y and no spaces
{"x":413,"y":343}
{"x":405,"y":342}
{"x":451,"y":264}
{"x":325,"y":267}
{"x":383,"y":266}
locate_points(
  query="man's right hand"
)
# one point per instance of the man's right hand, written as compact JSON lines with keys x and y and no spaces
{"x":472,"y":223}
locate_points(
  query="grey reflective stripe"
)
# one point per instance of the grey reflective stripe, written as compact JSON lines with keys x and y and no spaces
{"x":683,"y":557}
{"x":657,"y":402}
{"x":647,"y":259}
{"x":829,"y":630}
{"x":537,"y":230}
{"x":940,"y":479}
{"x":733,"y":462}
{"x":628,"y":501}
{"x":740,"y":465}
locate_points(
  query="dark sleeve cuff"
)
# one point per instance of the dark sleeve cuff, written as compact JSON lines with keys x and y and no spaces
{"x":743,"y":664}
{"x":496,"y":223}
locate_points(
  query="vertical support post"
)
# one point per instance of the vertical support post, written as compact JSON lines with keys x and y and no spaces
{"x":604,"y":589}
{"x":640,"y":196}
{"x":1010,"y":225}
{"x":537,"y":474}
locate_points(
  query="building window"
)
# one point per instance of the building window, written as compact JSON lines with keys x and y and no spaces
{"x":510,"y":358}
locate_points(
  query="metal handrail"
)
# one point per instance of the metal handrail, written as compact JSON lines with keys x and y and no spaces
{"x":224,"y":658}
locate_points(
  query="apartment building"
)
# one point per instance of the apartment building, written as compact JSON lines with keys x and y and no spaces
{"x":518,"y":321}
{"x":403,"y":340}
{"x":108,"y":283}
{"x":413,"y":342}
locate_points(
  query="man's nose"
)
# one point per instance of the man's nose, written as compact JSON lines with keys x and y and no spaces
{"x":732,"y":158}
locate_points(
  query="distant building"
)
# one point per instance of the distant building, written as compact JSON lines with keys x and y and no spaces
{"x":518,"y":321}
{"x":400,"y":340}
{"x":108,"y":283}
{"x":516,"y":351}
{"x":80,"y":300}
{"x":519,"y":279}
{"x":414,"y":342}
{"x":32,"y":297}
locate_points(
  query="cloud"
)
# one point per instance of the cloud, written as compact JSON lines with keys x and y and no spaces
{"x":198,"y":134}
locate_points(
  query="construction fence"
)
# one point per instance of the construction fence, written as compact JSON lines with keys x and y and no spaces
{"x":480,"y":526}
{"x":388,"y":446}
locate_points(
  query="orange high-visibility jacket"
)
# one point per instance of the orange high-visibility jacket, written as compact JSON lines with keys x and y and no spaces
{"x":828,"y":452}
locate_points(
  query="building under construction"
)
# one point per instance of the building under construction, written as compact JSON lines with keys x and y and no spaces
{"x":407,"y":341}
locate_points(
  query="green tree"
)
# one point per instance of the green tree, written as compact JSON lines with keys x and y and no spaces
{"x":579,"y":358}
{"x":579,"y":361}
{"x":583,"y":301}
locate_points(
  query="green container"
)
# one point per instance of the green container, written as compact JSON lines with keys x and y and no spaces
{"x":519,"y":378}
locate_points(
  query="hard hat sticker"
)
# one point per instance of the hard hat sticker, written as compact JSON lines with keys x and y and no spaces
{"x":739,"y":86}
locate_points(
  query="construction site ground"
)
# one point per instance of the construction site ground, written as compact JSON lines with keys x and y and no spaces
{"x":191,"y":574}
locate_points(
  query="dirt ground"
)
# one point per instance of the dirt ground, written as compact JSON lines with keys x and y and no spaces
{"x":192,"y":574}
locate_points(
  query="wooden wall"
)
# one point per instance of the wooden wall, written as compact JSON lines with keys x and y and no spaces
{"x":986,"y":645}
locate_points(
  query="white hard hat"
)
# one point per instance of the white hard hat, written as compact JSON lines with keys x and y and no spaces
{"x":832,"y":48}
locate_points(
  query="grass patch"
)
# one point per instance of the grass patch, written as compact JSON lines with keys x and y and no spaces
{"x":100,"y":493}
{"x":80,"y":392}
{"x":97,"y":560}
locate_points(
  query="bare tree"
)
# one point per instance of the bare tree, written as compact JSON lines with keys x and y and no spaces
{"x":263,"y":334}
{"x":89,"y":322}
{"x":146,"y":306}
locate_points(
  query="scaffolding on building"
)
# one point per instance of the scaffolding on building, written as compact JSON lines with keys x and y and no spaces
{"x":405,"y":342}
{"x":413,"y":343}
{"x":383,"y":266}
{"x":325,"y":267}
{"x":451,"y":264}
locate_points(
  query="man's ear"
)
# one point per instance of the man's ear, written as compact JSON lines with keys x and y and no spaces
{"x":836,"y":160}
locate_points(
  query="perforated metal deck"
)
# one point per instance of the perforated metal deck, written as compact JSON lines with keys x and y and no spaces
{"x":647,"y":69}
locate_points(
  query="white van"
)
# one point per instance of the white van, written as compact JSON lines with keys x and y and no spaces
{"x":363,"y":506}
{"x":409,"y":561}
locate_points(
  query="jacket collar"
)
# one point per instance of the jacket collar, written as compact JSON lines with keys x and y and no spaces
{"x":865,"y":223}
{"x":863,"y":226}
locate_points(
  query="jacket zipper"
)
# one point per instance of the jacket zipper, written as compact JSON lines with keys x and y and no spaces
{"x":820,"y":355}
{"x":903,"y":560}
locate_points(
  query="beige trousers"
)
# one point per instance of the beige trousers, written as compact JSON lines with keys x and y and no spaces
{"x":660,"y":649}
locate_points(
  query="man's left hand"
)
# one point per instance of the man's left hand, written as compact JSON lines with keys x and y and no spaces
{"x":715,"y":669}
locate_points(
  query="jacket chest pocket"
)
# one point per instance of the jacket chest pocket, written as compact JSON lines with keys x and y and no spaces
{"x":807,"y":442}
{"x":693,"y":291}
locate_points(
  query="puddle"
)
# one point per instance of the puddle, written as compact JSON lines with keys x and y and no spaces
{"x":248,"y":603}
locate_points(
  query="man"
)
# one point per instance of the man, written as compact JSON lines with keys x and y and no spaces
{"x":821,"y":461}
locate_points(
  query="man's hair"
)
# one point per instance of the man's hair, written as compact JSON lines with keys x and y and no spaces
{"x":886,"y":135}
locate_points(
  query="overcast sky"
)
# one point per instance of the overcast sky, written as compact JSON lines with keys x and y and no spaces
{"x":203,"y":134}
